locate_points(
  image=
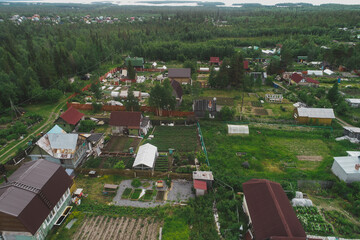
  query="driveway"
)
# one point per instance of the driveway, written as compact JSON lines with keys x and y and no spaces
{"x":180,"y":190}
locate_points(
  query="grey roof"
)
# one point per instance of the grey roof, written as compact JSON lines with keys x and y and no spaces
{"x":353,"y":153}
{"x":353,"y":100}
{"x":353,"y":129}
{"x":348,"y":163}
{"x":204,"y":105}
{"x":316,"y":112}
{"x":94,"y":137}
{"x":179,"y":73}
{"x":32,"y":191}
{"x":203,"y":175}
{"x":63,"y":141}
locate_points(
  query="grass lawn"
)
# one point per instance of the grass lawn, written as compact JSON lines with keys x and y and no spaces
{"x":271,"y":153}
{"x":94,"y":186}
{"x":180,"y":138}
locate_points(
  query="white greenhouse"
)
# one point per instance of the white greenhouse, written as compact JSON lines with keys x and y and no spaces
{"x":238,"y":129}
{"x":146,"y":156}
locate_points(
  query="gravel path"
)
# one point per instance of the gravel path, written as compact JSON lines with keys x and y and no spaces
{"x":180,"y":190}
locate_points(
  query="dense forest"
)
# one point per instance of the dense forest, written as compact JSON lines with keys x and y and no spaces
{"x":38,"y":57}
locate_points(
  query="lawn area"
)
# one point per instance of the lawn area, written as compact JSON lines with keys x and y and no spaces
{"x":94,"y":186}
{"x":271,"y":153}
{"x":180,"y":138}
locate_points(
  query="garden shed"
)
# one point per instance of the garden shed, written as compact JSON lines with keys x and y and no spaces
{"x":352,"y":132}
{"x":347,"y":168}
{"x":238,"y":129}
{"x":318,"y":116}
{"x":353,"y":102}
{"x":146,"y":156}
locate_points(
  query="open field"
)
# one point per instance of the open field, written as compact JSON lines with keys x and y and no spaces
{"x":180,"y":138}
{"x":271,"y":153}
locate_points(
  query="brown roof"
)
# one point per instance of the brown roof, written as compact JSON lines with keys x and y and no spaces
{"x":177,"y":88}
{"x":270,"y":211}
{"x":296,"y":77}
{"x":72,"y":116}
{"x":214,"y":59}
{"x":179,"y":73}
{"x":31,"y":193}
{"x":125,"y":119}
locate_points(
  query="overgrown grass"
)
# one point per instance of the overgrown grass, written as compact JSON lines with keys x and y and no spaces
{"x":271,"y":153}
{"x":180,"y":138}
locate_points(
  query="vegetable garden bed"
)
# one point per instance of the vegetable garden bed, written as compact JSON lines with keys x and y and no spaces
{"x":162,"y":164}
{"x":136,"y":194}
{"x":312,"y":221}
{"x":126,"y":194}
{"x":148,"y":195}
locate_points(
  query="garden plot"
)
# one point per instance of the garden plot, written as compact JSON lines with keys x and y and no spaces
{"x":162,"y":164}
{"x":121,"y":144}
{"x":312,"y":221}
{"x":260,"y":111}
{"x":180,"y":138}
{"x":103,"y":228}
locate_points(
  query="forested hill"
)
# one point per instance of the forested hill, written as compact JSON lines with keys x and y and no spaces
{"x":38,"y":56}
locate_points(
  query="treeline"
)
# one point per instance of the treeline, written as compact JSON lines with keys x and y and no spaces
{"x":37,"y":58}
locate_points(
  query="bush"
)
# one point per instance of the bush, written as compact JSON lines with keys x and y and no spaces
{"x":136,"y":183}
{"x":86,"y":126}
{"x":227,"y":114}
{"x":120,"y":165}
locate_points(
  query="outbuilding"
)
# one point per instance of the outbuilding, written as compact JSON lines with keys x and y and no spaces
{"x":353,"y":102}
{"x":347,"y":168}
{"x":146,"y":157}
{"x":318,"y":116}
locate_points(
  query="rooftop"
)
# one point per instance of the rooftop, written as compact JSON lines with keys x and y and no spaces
{"x":348,"y":163}
{"x":198,"y":184}
{"x":127,"y":119}
{"x":270,"y":211}
{"x":316,"y":112}
{"x":72,"y":116}
{"x":203,"y":175}
{"x":179,"y":73}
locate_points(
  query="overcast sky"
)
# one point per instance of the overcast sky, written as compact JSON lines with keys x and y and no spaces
{"x":227,"y":2}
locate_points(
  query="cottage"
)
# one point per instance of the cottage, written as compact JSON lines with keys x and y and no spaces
{"x":181,"y":75}
{"x":65,"y":149}
{"x":177,"y":91}
{"x":347,"y":168}
{"x":214,"y":61}
{"x":202,"y":181}
{"x":204,"y":106}
{"x":32,"y":199}
{"x":146,"y":157}
{"x":298,"y":79}
{"x":136,"y":62}
{"x":352,"y":132}
{"x":353,"y":102}
{"x":70,"y":118}
{"x":318,"y":116}
{"x":129,"y":123}
{"x":270,"y":213}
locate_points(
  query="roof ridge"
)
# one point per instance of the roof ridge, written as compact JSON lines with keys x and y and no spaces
{"x":279,"y":210}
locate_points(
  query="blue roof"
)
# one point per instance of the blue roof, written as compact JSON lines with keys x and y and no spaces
{"x":56,"y":129}
{"x":63,"y":141}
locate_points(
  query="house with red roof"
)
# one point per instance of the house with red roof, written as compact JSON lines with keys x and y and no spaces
{"x":125,"y":123}
{"x":214,"y":61}
{"x":270,"y":213}
{"x":298,"y":79}
{"x":70,"y":118}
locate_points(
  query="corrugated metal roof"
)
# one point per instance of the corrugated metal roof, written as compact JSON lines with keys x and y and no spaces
{"x":32,"y":192}
{"x":72,"y":116}
{"x":63,"y":141}
{"x":146,"y":155}
{"x":125,"y":119}
{"x":316,"y":112}
{"x":353,"y":153}
{"x":348,"y":163}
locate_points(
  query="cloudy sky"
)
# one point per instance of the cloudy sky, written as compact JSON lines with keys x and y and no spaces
{"x":227,"y":2}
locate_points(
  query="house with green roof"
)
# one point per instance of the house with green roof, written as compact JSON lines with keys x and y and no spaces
{"x":136,"y":62}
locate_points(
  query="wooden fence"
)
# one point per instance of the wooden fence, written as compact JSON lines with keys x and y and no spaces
{"x":109,"y":108}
